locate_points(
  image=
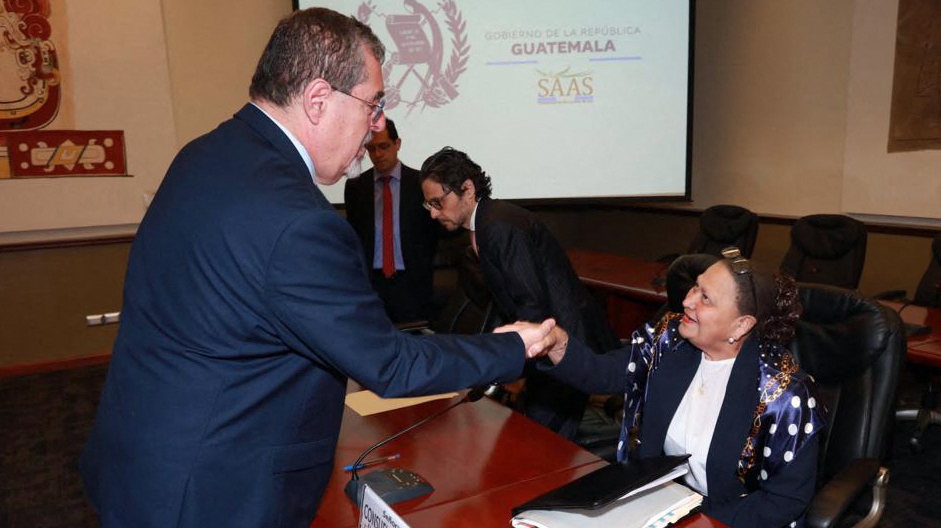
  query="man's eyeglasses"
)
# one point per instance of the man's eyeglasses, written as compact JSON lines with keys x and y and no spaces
{"x":742,"y":266}
{"x":377,"y":108}
{"x":435,"y":203}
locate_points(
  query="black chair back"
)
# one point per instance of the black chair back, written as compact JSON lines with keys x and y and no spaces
{"x":469,"y":309}
{"x":853,"y":347}
{"x":929,"y":288}
{"x":721,"y":226}
{"x":681,"y":276}
{"x":827,"y":249}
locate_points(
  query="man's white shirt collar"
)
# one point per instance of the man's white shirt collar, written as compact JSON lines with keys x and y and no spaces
{"x":473,"y":221}
{"x":297,"y":144}
{"x":395,"y":173}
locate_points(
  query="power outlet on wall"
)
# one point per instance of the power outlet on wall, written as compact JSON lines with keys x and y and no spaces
{"x":103,"y":319}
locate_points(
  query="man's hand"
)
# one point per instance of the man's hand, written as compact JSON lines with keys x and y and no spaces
{"x":539,"y":339}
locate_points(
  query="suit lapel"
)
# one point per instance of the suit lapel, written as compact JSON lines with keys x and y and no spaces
{"x":481,"y":222}
{"x":366,"y":194}
{"x":735,"y":420}
{"x":265,"y":127}
{"x":494,"y":278}
{"x":409,"y":201}
{"x":665,"y":391}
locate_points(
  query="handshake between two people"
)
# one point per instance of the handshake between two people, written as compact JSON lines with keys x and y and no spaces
{"x":544,"y":339}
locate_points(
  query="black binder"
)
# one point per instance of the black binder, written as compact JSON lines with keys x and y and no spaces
{"x":604,"y":485}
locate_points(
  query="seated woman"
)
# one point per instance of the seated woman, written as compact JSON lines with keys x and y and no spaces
{"x":718,"y":383}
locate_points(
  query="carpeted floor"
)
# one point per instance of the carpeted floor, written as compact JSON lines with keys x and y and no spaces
{"x":914,"y":497}
{"x":44,"y":419}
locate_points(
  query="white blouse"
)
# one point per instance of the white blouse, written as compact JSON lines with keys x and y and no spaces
{"x":695,"y":419}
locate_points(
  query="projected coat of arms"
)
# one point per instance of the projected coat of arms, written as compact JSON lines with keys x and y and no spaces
{"x":30,"y":95}
{"x":416,"y":73}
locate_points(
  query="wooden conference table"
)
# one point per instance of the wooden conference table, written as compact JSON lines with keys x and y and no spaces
{"x":631,"y":289}
{"x":924,"y":349}
{"x":482,"y":459}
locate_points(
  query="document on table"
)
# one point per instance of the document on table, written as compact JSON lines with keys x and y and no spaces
{"x":654,"y":508}
{"x":367,"y":402}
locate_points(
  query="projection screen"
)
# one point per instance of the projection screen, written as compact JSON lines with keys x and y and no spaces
{"x":555,"y":100}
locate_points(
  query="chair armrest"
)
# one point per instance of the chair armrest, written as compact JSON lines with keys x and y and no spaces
{"x":890,"y":295}
{"x":837,"y":496}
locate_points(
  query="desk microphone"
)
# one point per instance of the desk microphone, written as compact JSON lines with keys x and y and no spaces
{"x":395,"y":484}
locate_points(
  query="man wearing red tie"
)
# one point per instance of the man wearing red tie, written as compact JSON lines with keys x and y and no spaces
{"x":398,"y":237}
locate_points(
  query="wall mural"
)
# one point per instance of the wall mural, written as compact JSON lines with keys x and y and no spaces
{"x":915,"y":123}
{"x":30,"y":95}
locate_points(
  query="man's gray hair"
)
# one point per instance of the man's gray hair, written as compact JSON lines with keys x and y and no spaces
{"x":315,"y":43}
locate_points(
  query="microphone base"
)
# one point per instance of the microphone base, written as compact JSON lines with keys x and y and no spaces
{"x":392,"y":485}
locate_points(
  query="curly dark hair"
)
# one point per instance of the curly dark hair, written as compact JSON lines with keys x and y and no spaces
{"x":451,"y":168}
{"x":778,"y":306}
{"x":315,"y":43}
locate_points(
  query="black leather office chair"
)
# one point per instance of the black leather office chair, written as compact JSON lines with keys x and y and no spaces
{"x":853,"y":347}
{"x":682,"y":275}
{"x":929,"y":288}
{"x":721,"y":226}
{"x":469,"y":309}
{"x":927,"y":294}
{"x":827,"y":249}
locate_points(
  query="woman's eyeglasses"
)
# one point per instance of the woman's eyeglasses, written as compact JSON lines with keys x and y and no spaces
{"x":742,"y":266}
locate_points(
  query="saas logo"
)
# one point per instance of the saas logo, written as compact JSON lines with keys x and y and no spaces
{"x":564,"y":87}
{"x":415,"y":72}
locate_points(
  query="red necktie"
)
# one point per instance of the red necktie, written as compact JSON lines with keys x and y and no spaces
{"x":388,"y":236}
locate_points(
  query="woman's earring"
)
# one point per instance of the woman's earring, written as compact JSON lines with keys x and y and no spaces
{"x":731,"y":340}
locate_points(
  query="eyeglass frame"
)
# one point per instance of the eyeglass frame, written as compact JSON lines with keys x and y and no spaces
{"x":742,"y":266}
{"x":378,"y":108}
{"x":435,"y":203}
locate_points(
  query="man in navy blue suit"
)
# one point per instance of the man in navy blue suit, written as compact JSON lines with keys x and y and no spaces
{"x":247,"y":305}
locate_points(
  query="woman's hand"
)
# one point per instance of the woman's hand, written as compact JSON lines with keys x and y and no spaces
{"x":560,"y":342}
{"x":545,"y":339}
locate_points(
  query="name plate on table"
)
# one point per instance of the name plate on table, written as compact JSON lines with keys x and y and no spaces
{"x":375,"y":513}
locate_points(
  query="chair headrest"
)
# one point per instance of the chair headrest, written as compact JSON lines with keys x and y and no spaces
{"x":827,"y":236}
{"x":682,"y":274}
{"x":726,"y":223}
{"x":936,"y":248}
{"x":840,"y":333}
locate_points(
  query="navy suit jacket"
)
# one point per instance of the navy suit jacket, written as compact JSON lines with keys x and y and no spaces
{"x":419,"y":237}
{"x":246,"y":306}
